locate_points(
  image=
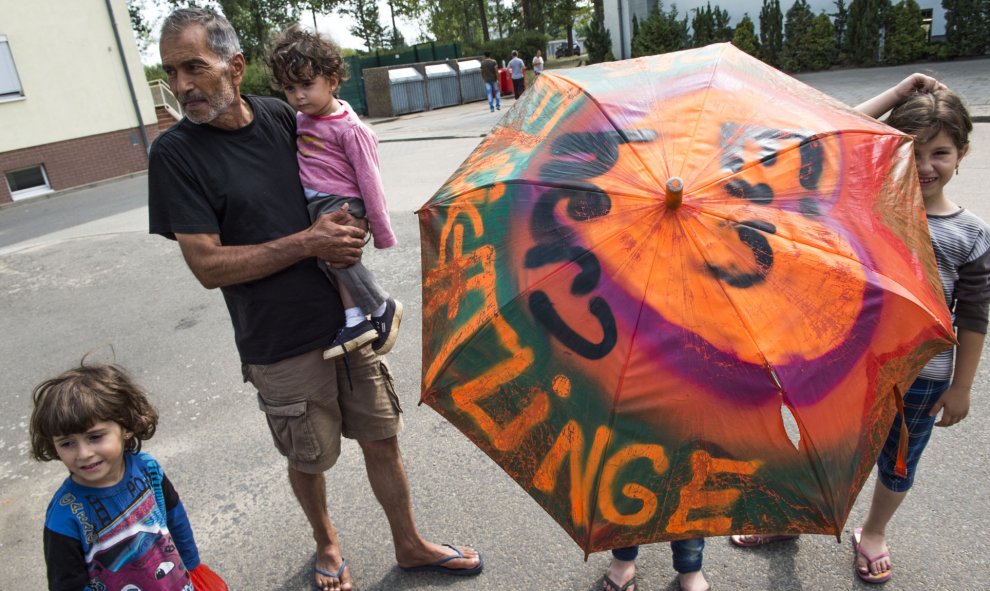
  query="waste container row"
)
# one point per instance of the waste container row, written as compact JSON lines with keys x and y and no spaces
{"x":441,"y":87}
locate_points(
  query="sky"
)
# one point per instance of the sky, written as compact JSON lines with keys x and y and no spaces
{"x":333,"y":25}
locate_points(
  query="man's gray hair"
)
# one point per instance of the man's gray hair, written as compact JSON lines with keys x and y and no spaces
{"x":220,"y":36}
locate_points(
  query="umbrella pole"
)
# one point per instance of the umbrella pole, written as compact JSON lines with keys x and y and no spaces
{"x":675,"y":192}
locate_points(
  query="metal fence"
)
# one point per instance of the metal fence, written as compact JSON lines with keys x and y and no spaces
{"x":421,"y":52}
{"x":353,"y":90}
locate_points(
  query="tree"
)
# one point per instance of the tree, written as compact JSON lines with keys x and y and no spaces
{"x":459,"y":20}
{"x":841,"y":16}
{"x":796,"y":55}
{"x":771,"y":32}
{"x":906,"y":40}
{"x":562,"y":16}
{"x":141,"y":27}
{"x":483,"y":14}
{"x":866,"y":21}
{"x":444,"y":19}
{"x":710,"y":25}
{"x":745,"y":36}
{"x":598,"y":40}
{"x":402,"y":8}
{"x":253,"y":20}
{"x":316,"y":7}
{"x":823,"y":48}
{"x":966,"y":26}
{"x":367,"y":24}
{"x":660,"y":32}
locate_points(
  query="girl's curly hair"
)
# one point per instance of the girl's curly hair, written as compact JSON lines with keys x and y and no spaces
{"x":83,"y":396}
{"x":298,"y":55}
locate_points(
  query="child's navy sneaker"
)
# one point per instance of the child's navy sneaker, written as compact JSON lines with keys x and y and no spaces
{"x":387,"y":326}
{"x":350,"y":338}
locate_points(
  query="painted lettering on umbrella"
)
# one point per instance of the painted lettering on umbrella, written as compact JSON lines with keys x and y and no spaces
{"x":699,"y":497}
{"x":448,"y":285}
{"x":577,"y":157}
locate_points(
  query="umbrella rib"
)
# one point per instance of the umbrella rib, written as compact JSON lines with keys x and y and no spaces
{"x":588,"y":188}
{"x":855,"y":262}
{"x":615,"y":126}
{"x":593,"y":502}
{"x":777,"y":154}
{"x":704,"y":102}
{"x":453,"y":356}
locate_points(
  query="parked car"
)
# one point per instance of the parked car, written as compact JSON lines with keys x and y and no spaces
{"x":564,"y":51}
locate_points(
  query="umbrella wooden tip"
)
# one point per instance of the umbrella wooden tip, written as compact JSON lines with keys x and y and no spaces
{"x":675,"y":191}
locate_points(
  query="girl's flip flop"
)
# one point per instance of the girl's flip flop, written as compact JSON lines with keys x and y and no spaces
{"x":868,"y":576}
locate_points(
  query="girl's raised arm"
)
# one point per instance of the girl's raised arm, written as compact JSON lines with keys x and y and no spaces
{"x":890,"y":98}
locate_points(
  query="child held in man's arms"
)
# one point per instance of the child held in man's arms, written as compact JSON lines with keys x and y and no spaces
{"x":339,"y":168}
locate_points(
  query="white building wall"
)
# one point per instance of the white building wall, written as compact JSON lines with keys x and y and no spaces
{"x":70,"y":71}
{"x":619,"y":13}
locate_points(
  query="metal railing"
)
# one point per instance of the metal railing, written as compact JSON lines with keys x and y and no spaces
{"x":163,"y":97}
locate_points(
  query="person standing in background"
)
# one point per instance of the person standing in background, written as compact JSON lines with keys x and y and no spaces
{"x":518,"y":68}
{"x":538,"y":63}
{"x":489,"y":73}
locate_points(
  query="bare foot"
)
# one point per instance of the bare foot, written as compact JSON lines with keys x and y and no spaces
{"x":435,"y":553}
{"x":873,"y":545}
{"x":329,"y":561}
{"x":619,"y":574}
{"x":693,"y":581}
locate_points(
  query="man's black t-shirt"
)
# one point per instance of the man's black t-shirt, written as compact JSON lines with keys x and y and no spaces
{"x":244,"y":186}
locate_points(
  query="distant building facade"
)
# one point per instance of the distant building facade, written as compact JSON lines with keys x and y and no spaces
{"x":619,"y":15}
{"x":69,"y":113}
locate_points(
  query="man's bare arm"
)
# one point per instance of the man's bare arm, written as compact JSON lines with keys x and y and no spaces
{"x":330,"y":238}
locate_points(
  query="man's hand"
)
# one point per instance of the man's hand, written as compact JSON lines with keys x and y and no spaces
{"x":954,"y":405}
{"x":338,"y":238}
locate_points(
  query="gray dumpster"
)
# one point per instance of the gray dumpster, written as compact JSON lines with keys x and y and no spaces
{"x":472,"y":84}
{"x":441,"y":86}
{"x":406,"y":88}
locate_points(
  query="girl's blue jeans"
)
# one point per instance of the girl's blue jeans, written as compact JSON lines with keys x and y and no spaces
{"x":688,"y":554}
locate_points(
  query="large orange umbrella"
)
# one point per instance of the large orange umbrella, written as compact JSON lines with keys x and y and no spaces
{"x":678,"y":296}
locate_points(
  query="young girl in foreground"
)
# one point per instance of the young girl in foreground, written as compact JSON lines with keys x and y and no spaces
{"x":940,"y":125}
{"x":116,"y":522}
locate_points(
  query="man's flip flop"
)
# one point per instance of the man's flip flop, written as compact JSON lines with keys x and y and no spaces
{"x":868,"y":576}
{"x":754,"y":540}
{"x":326,"y":573}
{"x":438,"y":566}
{"x":613,"y":586}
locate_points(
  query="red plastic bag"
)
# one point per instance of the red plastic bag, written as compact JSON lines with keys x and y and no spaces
{"x":204,"y":579}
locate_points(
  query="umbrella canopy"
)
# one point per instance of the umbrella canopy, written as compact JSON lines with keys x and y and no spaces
{"x":677,"y":296}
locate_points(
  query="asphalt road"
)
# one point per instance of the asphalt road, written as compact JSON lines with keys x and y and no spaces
{"x":79,"y":273}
